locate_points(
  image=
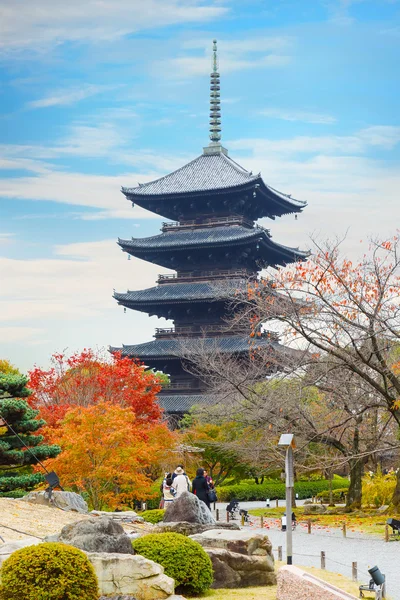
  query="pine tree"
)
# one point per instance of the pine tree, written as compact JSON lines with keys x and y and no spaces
{"x":20,"y":444}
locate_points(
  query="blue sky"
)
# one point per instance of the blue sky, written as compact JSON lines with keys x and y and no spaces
{"x":96,"y":95}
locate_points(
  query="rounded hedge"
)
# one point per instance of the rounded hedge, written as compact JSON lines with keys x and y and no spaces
{"x":182,"y":558}
{"x":153,"y":516}
{"x":49,"y":571}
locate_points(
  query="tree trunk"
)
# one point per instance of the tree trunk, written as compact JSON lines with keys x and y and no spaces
{"x":396,"y":493}
{"x":354,"y":495}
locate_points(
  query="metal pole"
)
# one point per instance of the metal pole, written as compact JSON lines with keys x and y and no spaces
{"x":289,"y":491}
{"x":354,"y":571}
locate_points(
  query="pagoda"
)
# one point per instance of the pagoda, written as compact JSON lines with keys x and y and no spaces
{"x":211,"y":238}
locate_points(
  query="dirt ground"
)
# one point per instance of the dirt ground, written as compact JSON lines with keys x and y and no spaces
{"x":40,"y":521}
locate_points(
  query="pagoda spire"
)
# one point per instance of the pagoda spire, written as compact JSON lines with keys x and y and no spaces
{"x":215,"y":102}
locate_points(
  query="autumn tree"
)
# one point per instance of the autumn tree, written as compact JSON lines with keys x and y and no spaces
{"x":107,"y":452}
{"x":343,"y":313}
{"x":87,"y":378}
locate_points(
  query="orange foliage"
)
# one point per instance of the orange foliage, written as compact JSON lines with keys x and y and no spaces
{"x":107,"y":453}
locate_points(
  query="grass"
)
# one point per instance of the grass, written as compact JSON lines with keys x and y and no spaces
{"x":366,"y":521}
{"x":269,"y":593}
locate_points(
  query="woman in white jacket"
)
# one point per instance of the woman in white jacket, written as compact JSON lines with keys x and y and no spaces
{"x":181,"y":482}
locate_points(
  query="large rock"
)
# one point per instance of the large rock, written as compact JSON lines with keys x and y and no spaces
{"x":190,"y":509}
{"x":98,"y":534}
{"x":192,"y":528}
{"x":9,"y":547}
{"x":234,"y":570}
{"x":314,"y":509}
{"x":126,"y":516}
{"x":63,"y":500}
{"x":125,"y":574}
{"x":242,"y":541}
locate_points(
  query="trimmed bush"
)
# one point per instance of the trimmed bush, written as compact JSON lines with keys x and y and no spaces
{"x":246,"y":492}
{"x":49,"y":571}
{"x":182,"y":558}
{"x":336,"y":494}
{"x":153,"y":516}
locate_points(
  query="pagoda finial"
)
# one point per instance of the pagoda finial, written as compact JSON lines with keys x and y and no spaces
{"x":215,"y":103}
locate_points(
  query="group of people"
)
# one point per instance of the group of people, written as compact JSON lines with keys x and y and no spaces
{"x":176,"y":483}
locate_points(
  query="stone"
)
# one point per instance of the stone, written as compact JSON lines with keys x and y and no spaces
{"x":234,"y":570}
{"x":192,"y":528}
{"x":64,"y":500}
{"x":119,"y":597}
{"x":242,"y":541}
{"x":190,"y":509}
{"x":126,"y":516}
{"x":134,"y":575}
{"x":314,"y":509}
{"x":97,"y":534}
{"x":296,"y":583}
{"x":9,"y":547}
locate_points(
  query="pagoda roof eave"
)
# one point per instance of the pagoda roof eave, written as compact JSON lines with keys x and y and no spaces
{"x":173,"y":349}
{"x":180,"y":293}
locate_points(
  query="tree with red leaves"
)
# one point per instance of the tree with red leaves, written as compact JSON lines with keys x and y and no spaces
{"x":87,"y":378}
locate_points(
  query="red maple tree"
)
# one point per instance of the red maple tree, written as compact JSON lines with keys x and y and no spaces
{"x":87,"y":378}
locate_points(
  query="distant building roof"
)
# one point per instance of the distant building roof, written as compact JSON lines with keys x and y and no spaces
{"x":204,"y":173}
{"x":178,"y":292}
{"x":175,"y":348}
{"x":181,"y":403}
{"x":212,"y":237}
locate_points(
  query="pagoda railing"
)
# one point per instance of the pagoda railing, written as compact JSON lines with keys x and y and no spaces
{"x":181,"y":385}
{"x":199,"y":330}
{"x":189,"y":275}
{"x":232,"y":220}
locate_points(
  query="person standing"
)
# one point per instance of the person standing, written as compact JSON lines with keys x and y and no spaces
{"x":169,"y":492}
{"x":181,"y":482}
{"x":200,"y":487}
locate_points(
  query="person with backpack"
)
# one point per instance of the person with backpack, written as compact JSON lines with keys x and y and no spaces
{"x":169,"y":493}
{"x":181,"y":482}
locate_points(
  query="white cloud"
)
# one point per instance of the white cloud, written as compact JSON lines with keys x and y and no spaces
{"x":385,"y":137}
{"x":6,"y":238}
{"x":18,"y":334}
{"x":69,"y":96}
{"x":238,"y":55}
{"x":298,"y":115}
{"x":66,"y":301}
{"x":27,"y":24}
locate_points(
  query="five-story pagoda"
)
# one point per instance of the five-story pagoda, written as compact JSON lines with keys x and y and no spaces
{"x":213,"y":203}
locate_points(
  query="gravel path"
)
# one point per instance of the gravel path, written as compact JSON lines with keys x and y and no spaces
{"x":340,"y":552}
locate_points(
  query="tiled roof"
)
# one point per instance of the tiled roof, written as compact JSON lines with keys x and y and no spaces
{"x":181,"y":403}
{"x":174,"y":348}
{"x":176,"y":292}
{"x":206,"y":172}
{"x":195,"y":237}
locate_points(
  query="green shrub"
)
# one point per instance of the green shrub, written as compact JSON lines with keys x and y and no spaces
{"x":336,"y":494}
{"x":182,"y":558}
{"x":246,"y":492}
{"x":13,"y":494}
{"x":377,"y":489}
{"x":49,"y":571}
{"x":153,"y":516}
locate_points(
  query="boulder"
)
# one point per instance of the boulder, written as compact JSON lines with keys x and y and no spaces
{"x":193,"y":528}
{"x":63,"y":500}
{"x":9,"y":547}
{"x":135,"y":576}
{"x":314,"y":509}
{"x":98,"y":534}
{"x":241,"y":542}
{"x":234,"y":570}
{"x":126,"y":516}
{"x":190,"y":509}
